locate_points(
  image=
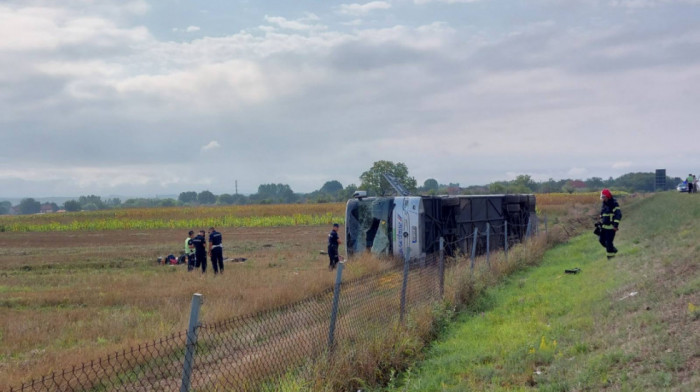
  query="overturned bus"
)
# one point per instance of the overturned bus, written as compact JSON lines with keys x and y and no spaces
{"x":413,"y":225}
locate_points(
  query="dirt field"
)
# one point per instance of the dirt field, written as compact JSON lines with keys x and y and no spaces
{"x":69,"y":297}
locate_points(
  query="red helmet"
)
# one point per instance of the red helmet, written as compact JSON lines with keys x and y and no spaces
{"x":606,"y":193}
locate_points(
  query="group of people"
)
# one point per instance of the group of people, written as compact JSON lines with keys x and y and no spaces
{"x":692,"y":183}
{"x":196,"y":251}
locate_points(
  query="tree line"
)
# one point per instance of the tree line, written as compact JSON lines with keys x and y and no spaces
{"x":371,"y":181}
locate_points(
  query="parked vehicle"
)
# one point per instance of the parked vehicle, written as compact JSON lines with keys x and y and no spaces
{"x":682,"y":187}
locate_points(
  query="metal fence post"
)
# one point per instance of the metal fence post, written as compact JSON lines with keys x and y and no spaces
{"x":404,"y":285}
{"x":191,"y":342}
{"x":488,"y":244}
{"x":505,"y":241}
{"x":336,"y":300}
{"x":442,"y":267}
{"x":476,"y":232}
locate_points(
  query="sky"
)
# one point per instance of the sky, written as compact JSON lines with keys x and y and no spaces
{"x":145,"y":98}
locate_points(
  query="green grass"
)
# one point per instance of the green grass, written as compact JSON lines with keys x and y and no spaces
{"x":629,"y":324}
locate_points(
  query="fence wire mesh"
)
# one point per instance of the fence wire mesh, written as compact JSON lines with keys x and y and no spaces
{"x":240,"y":353}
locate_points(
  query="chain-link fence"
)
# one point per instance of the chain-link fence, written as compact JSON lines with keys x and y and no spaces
{"x":240,"y":353}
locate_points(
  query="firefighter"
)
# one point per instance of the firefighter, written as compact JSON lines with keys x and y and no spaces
{"x":610,"y":216}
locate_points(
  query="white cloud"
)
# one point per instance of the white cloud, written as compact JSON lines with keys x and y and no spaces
{"x":212,"y":145}
{"x":293,"y":24}
{"x":46,"y":29}
{"x":229,"y":84}
{"x":188,"y":29}
{"x":356,"y":9}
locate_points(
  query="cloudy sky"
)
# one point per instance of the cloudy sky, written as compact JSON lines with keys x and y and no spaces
{"x":149,"y":97}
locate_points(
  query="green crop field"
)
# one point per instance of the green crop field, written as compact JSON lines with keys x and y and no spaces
{"x":178,"y":218}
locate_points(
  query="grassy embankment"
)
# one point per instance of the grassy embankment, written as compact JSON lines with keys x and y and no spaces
{"x":631,"y":324}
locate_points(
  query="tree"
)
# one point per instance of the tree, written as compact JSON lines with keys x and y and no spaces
{"x":29,"y":206}
{"x":431,"y":186}
{"x":347,"y":193}
{"x":206,"y":197}
{"x":5,"y":207}
{"x":91,"y":203}
{"x":114,"y":202}
{"x":595,"y":183}
{"x":274,"y":193}
{"x":568,"y":187}
{"x":169,"y":202}
{"x":225,"y":199}
{"x":498,"y":188}
{"x":373,"y":180}
{"x":187,"y":197}
{"x":239,"y":199}
{"x":524,"y":184}
{"x":331,"y":187}
{"x":141,"y":203}
{"x":636,"y":182}
{"x":90,"y":207}
{"x":72,"y":206}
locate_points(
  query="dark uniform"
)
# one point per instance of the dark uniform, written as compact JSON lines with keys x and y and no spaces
{"x":333,"y":249}
{"x":610,"y":216}
{"x":217,"y":251}
{"x":200,"y":252}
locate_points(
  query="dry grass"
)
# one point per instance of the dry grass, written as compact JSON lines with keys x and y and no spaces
{"x":67,"y":301}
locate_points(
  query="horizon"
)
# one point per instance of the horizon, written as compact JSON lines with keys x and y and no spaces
{"x":49,"y":199}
